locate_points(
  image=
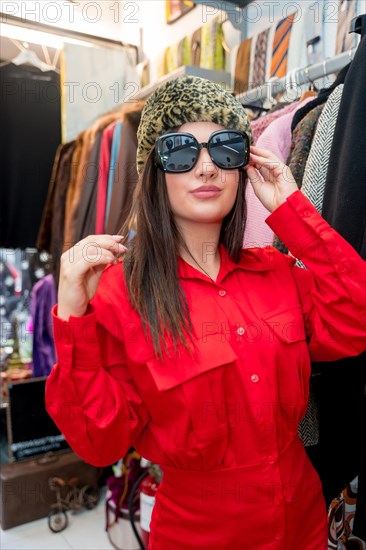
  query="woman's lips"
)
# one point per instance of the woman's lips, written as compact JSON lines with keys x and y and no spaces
{"x":206,"y":192}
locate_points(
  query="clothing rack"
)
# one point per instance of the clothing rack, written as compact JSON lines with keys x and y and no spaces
{"x":300,"y":77}
{"x":307,"y":74}
{"x":59,"y":31}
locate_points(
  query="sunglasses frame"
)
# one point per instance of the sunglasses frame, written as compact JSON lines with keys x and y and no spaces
{"x":159,"y":152}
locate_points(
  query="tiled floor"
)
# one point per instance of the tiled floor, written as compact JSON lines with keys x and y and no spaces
{"x":84,"y":532}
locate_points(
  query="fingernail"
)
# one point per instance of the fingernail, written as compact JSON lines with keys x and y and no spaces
{"x":117,"y":237}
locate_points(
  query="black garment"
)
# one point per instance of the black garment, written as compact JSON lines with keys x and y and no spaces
{"x":338,"y":392}
{"x":344,"y":208}
{"x":344,"y":205}
{"x":321,"y":98}
{"x":30,"y":115}
{"x":359,"y":525}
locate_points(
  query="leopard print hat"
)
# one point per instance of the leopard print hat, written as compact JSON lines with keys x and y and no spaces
{"x":187,"y":99}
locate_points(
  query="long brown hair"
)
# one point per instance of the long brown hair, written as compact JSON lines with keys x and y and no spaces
{"x":151,"y":261}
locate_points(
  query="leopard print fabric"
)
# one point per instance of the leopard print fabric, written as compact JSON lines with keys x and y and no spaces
{"x":187,"y":99}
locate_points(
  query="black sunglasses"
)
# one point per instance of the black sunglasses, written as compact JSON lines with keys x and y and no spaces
{"x":179,"y":151}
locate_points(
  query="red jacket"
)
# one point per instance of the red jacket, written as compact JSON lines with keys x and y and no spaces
{"x":231,"y":412}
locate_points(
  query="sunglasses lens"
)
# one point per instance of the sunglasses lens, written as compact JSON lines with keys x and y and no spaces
{"x":229,"y":150}
{"x":178,"y":153}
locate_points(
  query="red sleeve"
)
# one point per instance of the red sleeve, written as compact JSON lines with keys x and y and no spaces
{"x":90,"y":394}
{"x":332,"y":289}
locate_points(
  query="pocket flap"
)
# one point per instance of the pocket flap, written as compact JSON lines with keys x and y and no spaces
{"x":173,"y":370}
{"x":287,"y":324}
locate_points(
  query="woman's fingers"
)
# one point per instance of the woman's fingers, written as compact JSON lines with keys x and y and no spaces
{"x":270,"y":168}
{"x":94,"y":245}
{"x":263,"y":153}
{"x":263,"y":168}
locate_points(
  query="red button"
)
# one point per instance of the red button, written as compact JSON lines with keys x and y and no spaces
{"x":254,"y":378}
{"x":307,"y":213}
{"x":222,"y":292}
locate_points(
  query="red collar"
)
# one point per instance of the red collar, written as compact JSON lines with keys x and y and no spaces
{"x":252,"y":259}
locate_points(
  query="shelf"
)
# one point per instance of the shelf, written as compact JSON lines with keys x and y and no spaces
{"x":221,"y":77}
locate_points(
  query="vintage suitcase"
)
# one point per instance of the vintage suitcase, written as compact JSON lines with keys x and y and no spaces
{"x":24,"y":490}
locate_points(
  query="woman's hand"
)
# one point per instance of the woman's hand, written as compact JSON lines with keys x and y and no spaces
{"x":81,"y":268}
{"x":271,"y":180}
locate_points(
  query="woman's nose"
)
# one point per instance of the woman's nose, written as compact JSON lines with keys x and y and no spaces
{"x":205,"y":167}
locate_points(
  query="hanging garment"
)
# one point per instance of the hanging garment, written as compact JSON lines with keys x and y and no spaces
{"x":201,"y":445}
{"x":126,"y":180}
{"x":301,"y":144}
{"x":260,"y":57}
{"x":30,"y":114}
{"x":277,"y":139}
{"x":258,"y":126}
{"x":344,"y":191}
{"x":359,"y":523}
{"x":113,"y":168}
{"x":196,"y":47}
{"x":302,"y":139}
{"x":217,"y":37}
{"x":70,"y":228}
{"x":344,"y":201}
{"x":44,"y":234}
{"x":171,"y":59}
{"x":280,"y":47}
{"x":180,"y":52}
{"x":322,"y":98}
{"x":242,"y":66}
{"x":104,"y":163}
{"x":127,"y":173}
{"x":212,"y":51}
{"x":161,"y":63}
{"x":58,"y":209}
{"x":43,"y":298}
{"x":316,"y":167}
{"x":307,"y":37}
{"x":72,"y":191}
{"x":186,"y":50}
{"x":345,"y":39}
{"x":95,"y":80}
{"x":86,"y":220}
{"x":277,"y":136}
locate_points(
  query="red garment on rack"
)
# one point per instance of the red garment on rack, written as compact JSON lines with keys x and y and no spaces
{"x":221,"y":424}
{"x":104,"y":162}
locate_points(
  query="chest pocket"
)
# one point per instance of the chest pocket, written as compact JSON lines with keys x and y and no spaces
{"x":288,"y":348}
{"x":176,"y":369}
{"x":287,"y":325}
{"x":192,"y":389}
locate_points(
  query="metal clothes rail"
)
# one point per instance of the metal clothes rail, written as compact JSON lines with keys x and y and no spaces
{"x":298,"y":77}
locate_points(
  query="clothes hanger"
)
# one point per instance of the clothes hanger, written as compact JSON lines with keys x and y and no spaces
{"x":26,"y":55}
{"x":311,"y":92}
{"x":30,"y":57}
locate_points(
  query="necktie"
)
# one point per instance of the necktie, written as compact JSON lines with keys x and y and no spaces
{"x":242,"y":67}
{"x":280,"y":47}
{"x":260,"y":57}
{"x":346,"y":12}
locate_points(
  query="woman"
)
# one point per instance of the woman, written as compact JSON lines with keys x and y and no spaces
{"x":196,"y":352}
